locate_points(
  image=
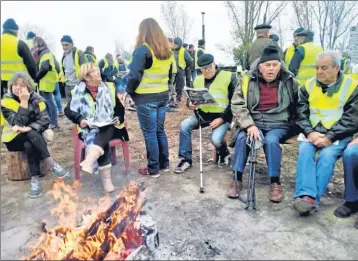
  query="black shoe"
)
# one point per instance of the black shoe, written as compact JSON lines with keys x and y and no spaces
{"x":343,"y":211}
{"x":182,"y":166}
{"x":224,"y":161}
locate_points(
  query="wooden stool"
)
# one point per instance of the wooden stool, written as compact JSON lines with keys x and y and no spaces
{"x":18,"y":167}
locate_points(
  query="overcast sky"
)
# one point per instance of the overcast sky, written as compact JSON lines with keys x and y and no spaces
{"x":100,"y":23}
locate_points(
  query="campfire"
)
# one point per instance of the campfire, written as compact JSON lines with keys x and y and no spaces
{"x":111,"y":234}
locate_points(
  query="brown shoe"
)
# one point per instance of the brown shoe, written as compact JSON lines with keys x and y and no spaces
{"x":232,"y":191}
{"x":276,"y":193}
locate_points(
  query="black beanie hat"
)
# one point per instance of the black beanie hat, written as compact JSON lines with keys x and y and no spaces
{"x":201,"y":42}
{"x":269,"y":53}
{"x":10,"y":24}
{"x":205,"y":59}
{"x":66,"y":38}
{"x":191,"y":45}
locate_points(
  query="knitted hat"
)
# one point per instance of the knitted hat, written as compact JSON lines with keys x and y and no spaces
{"x":274,"y":37}
{"x":205,"y":59}
{"x":10,"y":24}
{"x":185,"y":45}
{"x":191,"y":45}
{"x":270,"y":53}
{"x":298,"y":30}
{"x":178,"y":41}
{"x":30,"y":35}
{"x":201,"y":42}
{"x":66,"y":38}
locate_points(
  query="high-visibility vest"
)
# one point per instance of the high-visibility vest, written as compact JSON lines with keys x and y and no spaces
{"x":11,"y":62}
{"x":106,"y":64}
{"x":155,"y":79}
{"x":87,"y":55}
{"x":48,"y":82}
{"x":307,"y":68}
{"x":196,"y":57}
{"x":93,"y":104}
{"x":346,"y":68}
{"x":289,"y":55}
{"x":77,"y":64}
{"x":30,"y":43}
{"x":354,"y":75}
{"x":328,"y":109}
{"x":7,"y":134}
{"x":181,"y":58}
{"x":219,"y":89}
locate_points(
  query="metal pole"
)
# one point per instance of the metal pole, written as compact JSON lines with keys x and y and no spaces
{"x":203,"y":25}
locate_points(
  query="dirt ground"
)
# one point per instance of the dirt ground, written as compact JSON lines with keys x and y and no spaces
{"x":191,"y":225}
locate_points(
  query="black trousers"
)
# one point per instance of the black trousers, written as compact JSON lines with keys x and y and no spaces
{"x":34,"y":146}
{"x":179,"y":83}
{"x":188,"y":77}
{"x":3,"y":88}
{"x":103,"y":137}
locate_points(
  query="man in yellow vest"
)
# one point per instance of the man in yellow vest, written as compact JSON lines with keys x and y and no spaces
{"x":221,"y":85}
{"x":346,"y":66}
{"x":30,"y":39}
{"x":303,"y":63}
{"x":290,"y":51}
{"x":263,"y":107}
{"x":182,"y":59}
{"x":90,"y":56}
{"x":15,"y":55}
{"x":198,"y":53}
{"x":71,"y":62}
{"x":328,"y":117}
{"x":108,"y":69}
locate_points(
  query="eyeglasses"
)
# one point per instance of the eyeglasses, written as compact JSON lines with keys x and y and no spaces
{"x":207,"y":67}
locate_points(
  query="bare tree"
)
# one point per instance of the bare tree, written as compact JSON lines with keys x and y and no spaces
{"x":39,"y":31}
{"x":121,"y":50}
{"x":177,"y":19}
{"x":303,"y":13}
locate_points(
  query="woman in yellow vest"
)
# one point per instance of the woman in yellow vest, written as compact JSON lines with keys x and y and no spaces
{"x":148,"y":85}
{"x":94,"y":102}
{"x":24,"y":120}
{"x":46,"y":77}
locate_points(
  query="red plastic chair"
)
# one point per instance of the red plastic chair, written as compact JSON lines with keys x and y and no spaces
{"x":79,"y":151}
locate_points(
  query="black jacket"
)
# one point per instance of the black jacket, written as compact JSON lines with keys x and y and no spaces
{"x":345,"y":127}
{"x":31,"y":117}
{"x":45,"y":66}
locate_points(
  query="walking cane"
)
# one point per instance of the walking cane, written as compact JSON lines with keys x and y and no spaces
{"x":201,"y":154}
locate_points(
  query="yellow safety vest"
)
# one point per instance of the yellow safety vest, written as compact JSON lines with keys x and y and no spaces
{"x":93,"y":104}
{"x":346,"y":69}
{"x":289,"y":55}
{"x":325,"y":109}
{"x":307,"y":68}
{"x":354,"y":75}
{"x":181,"y":58}
{"x":48,"y":82}
{"x":196,"y":57}
{"x":91,"y":56}
{"x":7,"y":134}
{"x":106,"y":64}
{"x":11,"y":62}
{"x":218,"y":89}
{"x":77,"y":65}
{"x":155,"y":79}
{"x":30,"y":43}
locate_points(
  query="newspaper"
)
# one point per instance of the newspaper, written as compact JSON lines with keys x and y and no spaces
{"x":199,"y":96}
{"x":93,"y":125}
{"x":122,"y":74}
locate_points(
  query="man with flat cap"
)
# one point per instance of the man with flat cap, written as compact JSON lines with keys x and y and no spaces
{"x":290,"y":51}
{"x":262,"y":40}
{"x":199,"y":52}
{"x":303,"y":63}
{"x":274,"y":37}
{"x":221,"y":85}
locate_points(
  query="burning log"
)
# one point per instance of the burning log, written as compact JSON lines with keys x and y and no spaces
{"x":111,"y":234}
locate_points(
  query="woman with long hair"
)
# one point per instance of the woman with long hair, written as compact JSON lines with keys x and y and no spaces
{"x":148,"y":85}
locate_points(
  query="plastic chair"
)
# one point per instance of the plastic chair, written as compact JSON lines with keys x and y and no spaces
{"x":79,"y":151}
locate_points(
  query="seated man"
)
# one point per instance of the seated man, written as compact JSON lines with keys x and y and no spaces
{"x":264,"y":102}
{"x":350,"y":163}
{"x":221,"y":85}
{"x":328,"y":116}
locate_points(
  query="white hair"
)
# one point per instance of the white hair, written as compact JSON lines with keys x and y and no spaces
{"x":335,"y":56}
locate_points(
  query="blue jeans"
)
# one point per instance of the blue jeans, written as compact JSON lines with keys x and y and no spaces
{"x":191,"y":123}
{"x":151,"y":117}
{"x":121,"y":85}
{"x":313,"y":177}
{"x":50,"y":107}
{"x":350,"y":162}
{"x":272,"y":149}
{"x":58,"y":99}
{"x":193,"y":74}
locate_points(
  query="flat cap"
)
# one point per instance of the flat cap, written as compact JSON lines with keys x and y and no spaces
{"x":298,"y":30}
{"x":263,"y":26}
{"x":308,"y":33}
{"x":274,"y":37}
{"x":205,"y":59}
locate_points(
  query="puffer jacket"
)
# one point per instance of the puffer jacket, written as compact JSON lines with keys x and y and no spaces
{"x":31,"y":117}
{"x":246,"y":115}
{"x":345,"y":127}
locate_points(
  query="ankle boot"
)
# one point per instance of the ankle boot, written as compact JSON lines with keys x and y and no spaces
{"x":94,"y":152}
{"x":106,"y":178}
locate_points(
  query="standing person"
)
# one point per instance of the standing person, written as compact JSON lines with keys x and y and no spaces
{"x":290,"y":51}
{"x":346,"y":66}
{"x":15,"y":55}
{"x":47,"y":76}
{"x":121,"y":79}
{"x":25,"y":120}
{"x":90,"y":56}
{"x":187,"y":69}
{"x":275,"y":38}
{"x":303,"y":63}
{"x":199,"y":52}
{"x":182,"y":59}
{"x":30,"y":40}
{"x":71,"y":62}
{"x":58,"y":98}
{"x":172,"y":92}
{"x":108,"y":69}
{"x":192,"y":53}
{"x":262,"y":40}
{"x":148,"y":84}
